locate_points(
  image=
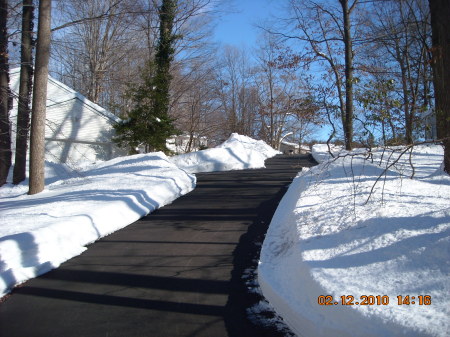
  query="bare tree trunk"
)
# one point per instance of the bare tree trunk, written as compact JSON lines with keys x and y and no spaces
{"x":322,"y":42}
{"x":440,"y":25}
{"x":26,"y":84}
{"x":5,"y":132}
{"x":348,"y":121}
{"x":37,"y":139}
{"x":408,"y":124}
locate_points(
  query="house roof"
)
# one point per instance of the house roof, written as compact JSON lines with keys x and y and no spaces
{"x":67,"y":94}
{"x":290,"y":144}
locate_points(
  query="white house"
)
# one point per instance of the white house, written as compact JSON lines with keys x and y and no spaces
{"x":180,"y":144}
{"x":77,"y":129}
{"x":293,"y":148}
{"x":289,"y":148}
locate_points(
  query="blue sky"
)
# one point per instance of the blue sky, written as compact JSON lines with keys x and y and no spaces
{"x":237,"y":28}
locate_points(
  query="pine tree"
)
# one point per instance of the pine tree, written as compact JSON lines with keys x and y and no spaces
{"x":145,"y":125}
{"x":149,"y":124}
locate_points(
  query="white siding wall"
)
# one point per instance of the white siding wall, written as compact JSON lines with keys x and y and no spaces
{"x":74,"y":152}
{"x":75,"y":130}
{"x":76,"y":121}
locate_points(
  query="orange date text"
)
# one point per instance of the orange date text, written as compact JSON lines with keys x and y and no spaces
{"x":373,"y":300}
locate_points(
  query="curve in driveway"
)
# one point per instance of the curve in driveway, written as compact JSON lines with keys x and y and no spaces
{"x":177,"y":272}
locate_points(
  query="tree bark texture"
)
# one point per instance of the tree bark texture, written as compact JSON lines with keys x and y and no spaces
{"x":25,"y":87}
{"x":348,"y":121}
{"x":5,"y":131}
{"x":37,"y":137}
{"x":440,"y":25}
{"x":164,"y":55}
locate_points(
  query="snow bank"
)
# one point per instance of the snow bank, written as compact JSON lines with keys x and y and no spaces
{"x":237,"y":153}
{"x":321,"y":152}
{"x":249,"y":144}
{"x":39,"y":232}
{"x":325,"y":239}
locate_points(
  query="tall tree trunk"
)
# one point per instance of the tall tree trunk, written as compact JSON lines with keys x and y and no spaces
{"x":348,"y":122}
{"x":440,"y":25}
{"x":271,"y":106}
{"x":37,"y":138}
{"x":5,"y":132}
{"x":26,"y":84}
{"x":164,"y":55}
{"x":406,"y":107}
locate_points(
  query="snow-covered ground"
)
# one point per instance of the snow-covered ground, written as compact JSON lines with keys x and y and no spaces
{"x":39,"y":232}
{"x":237,"y":153}
{"x":328,"y":242}
{"x":79,"y":206}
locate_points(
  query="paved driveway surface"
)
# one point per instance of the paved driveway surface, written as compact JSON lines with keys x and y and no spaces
{"x":177,"y":272}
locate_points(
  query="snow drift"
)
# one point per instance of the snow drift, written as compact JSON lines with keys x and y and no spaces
{"x":237,"y":153}
{"x":39,"y":232}
{"x":328,"y":238}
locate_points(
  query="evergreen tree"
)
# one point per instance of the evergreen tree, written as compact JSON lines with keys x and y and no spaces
{"x":145,"y":125}
{"x":149,"y":124}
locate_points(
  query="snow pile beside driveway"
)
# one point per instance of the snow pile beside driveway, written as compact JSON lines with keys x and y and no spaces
{"x":236,"y":153}
{"x":320,"y":152}
{"x":249,"y":144}
{"x":326,"y":245}
{"x":39,"y":232}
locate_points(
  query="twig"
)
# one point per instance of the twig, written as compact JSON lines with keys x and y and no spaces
{"x":411,"y":164}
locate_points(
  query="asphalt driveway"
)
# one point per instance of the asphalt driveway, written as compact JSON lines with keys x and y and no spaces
{"x":181,"y":271}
